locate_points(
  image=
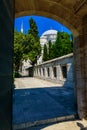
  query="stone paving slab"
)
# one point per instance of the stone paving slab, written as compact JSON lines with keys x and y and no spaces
{"x":65,"y":125}
{"x":36,"y":100}
{"x":33,"y":83}
{"x":68,"y":125}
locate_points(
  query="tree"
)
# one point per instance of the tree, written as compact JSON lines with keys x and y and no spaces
{"x":33,"y":41}
{"x":63,"y":44}
{"x":50,"y":50}
{"x":57,"y":44}
{"x":45,"y":53}
{"x":26,"y":47}
{"x":71,"y":38}
{"x":33,"y":29}
{"x":32,"y":49}
{"x":18,"y":49}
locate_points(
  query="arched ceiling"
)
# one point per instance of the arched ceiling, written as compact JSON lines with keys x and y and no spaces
{"x":67,"y":12}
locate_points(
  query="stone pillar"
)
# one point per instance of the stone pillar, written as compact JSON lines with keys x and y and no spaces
{"x":70,"y":71}
{"x":35,"y":71}
{"x":6,"y":63}
{"x":51,"y":72}
{"x":57,"y":72}
{"x":38,"y":72}
{"x":60,"y":77}
{"x":80,"y":56}
{"x":58,"y":68}
{"x":41,"y":72}
{"x":45,"y":72}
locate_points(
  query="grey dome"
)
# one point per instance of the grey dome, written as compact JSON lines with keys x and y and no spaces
{"x":49,"y":32}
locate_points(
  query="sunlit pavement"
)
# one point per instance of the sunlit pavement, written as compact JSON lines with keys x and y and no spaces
{"x":69,"y":125}
{"x":36,"y":100}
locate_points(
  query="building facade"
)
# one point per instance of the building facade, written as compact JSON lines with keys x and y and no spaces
{"x":49,"y":35}
{"x":59,"y":70}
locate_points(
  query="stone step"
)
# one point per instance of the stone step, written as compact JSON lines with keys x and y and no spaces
{"x":43,"y":122}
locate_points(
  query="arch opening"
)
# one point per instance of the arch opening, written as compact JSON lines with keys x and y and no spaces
{"x":72,"y":14}
{"x":55,"y":73}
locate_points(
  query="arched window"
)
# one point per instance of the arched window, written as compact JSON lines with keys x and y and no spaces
{"x":64,"y":71}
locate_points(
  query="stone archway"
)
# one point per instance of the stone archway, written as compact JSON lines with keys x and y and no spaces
{"x":72,"y":14}
{"x":51,"y":9}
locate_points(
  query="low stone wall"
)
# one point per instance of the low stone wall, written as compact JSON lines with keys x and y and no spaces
{"x":59,"y":70}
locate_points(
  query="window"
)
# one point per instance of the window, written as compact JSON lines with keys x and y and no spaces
{"x":64,"y":71}
{"x":48,"y":71}
{"x":37,"y":70}
{"x":40,"y":71}
{"x":54,"y":72}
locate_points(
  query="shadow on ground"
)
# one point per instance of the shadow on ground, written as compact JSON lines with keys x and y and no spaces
{"x":35,"y":104}
{"x":81,"y":126}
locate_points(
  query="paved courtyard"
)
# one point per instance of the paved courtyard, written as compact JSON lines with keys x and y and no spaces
{"x":67,"y":125}
{"x":36,"y":100}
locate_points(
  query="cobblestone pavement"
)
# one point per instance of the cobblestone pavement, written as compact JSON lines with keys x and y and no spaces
{"x":36,"y":100}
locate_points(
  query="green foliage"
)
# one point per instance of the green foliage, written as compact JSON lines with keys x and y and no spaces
{"x":33,"y":48}
{"x":16,"y":75}
{"x":65,"y":44}
{"x":34,"y":42}
{"x":71,"y":38}
{"x":62,"y":46}
{"x":45,"y":53}
{"x":33,"y":29}
{"x":50,"y":50}
{"x":18,"y":49}
{"x":26,"y":46}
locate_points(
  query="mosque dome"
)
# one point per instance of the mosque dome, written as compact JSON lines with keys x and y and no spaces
{"x":49,"y":35}
{"x":50,"y":32}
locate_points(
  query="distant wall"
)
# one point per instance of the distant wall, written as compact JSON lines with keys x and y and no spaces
{"x":59,"y":70}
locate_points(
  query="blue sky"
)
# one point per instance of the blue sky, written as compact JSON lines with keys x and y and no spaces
{"x":43,"y":24}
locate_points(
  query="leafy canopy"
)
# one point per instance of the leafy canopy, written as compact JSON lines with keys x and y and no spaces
{"x":26,"y":47}
{"x":18,"y":49}
{"x":62,"y":46}
{"x":34,"y":42}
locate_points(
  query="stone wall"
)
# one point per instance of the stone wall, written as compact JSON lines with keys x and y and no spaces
{"x":6,"y":64}
{"x":72,"y":14}
{"x":59,"y":70}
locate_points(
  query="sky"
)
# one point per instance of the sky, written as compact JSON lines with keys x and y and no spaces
{"x":43,"y":24}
